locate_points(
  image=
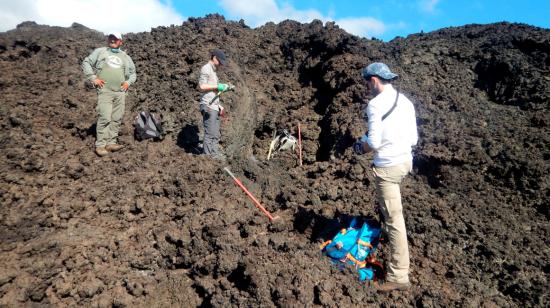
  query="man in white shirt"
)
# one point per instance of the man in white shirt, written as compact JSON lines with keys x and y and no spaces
{"x":391,"y":134}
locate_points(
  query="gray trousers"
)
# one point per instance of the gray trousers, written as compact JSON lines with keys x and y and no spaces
{"x":387,"y":181}
{"x":211,"y":121}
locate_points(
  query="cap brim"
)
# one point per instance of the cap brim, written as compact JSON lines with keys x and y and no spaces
{"x":222,"y":62}
{"x":389,"y":76}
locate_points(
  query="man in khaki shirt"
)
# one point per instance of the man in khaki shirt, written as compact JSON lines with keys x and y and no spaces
{"x":111,"y":71}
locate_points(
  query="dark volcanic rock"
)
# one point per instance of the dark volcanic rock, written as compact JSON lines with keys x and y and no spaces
{"x":156,"y":223}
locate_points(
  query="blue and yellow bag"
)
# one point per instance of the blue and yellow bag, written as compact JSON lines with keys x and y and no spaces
{"x":355,"y":246}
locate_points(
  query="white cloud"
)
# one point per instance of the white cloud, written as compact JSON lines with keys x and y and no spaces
{"x":362,"y":26}
{"x":141,"y":15}
{"x":103,"y":15}
{"x":428,"y":5}
{"x":263,"y":11}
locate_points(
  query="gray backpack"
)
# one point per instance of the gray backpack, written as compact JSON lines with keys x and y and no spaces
{"x":148,"y":125}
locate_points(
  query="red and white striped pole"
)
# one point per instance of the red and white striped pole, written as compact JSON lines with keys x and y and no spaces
{"x":300,"y":142}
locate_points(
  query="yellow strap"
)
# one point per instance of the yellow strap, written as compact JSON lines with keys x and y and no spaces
{"x":360,"y":264}
{"x":325,"y":244}
{"x":361,"y":242}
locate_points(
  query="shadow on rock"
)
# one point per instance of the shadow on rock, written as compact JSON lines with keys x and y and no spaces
{"x":188,"y":139}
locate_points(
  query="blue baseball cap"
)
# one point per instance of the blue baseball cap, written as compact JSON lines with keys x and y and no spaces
{"x":380,"y":70}
{"x":220,"y":55}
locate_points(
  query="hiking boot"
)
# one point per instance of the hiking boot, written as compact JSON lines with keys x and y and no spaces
{"x":101,"y":151}
{"x":114,"y":147}
{"x":392,"y":286}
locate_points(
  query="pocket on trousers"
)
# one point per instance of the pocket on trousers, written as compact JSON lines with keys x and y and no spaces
{"x":379,"y":171}
{"x":97,"y":109}
{"x":205,"y":115}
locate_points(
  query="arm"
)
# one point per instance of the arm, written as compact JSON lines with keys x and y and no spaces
{"x":220,"y":87}
{"x":208,"y":87}
{"x":203,"y":81}
{"x":362,"y":146}
{"x":204,"y":86}
{"x":375,"y":128}
{"x":89,"y":63}
{"x":412,"y":127}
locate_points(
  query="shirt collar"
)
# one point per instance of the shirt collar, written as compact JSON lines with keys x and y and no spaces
{"x":388,"y":88}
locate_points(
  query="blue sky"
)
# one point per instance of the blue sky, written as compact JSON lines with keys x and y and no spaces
{"x":384,"y":19}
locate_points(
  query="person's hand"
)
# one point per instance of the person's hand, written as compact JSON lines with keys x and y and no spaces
{"x":222,"y":112}
{"x":124,"y":86}
{"x":359,"y":145}
{"x":222,"y":87}
{"x":358,"y":148}
{"x":98,"y":83}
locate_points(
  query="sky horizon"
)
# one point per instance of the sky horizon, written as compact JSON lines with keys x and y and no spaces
{"x":379,"y":19}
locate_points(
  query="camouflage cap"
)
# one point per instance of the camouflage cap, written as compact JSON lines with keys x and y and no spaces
{"x":380,"y":70}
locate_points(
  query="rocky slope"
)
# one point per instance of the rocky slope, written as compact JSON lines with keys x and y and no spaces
{"x":156,"y":224}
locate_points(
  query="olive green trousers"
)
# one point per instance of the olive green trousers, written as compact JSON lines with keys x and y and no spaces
{"x":110,"y":110}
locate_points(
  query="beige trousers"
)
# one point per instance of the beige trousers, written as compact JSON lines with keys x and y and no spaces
{"x":389,"y":197}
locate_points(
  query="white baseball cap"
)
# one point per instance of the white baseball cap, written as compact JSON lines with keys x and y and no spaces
{"x":117,"y":35}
